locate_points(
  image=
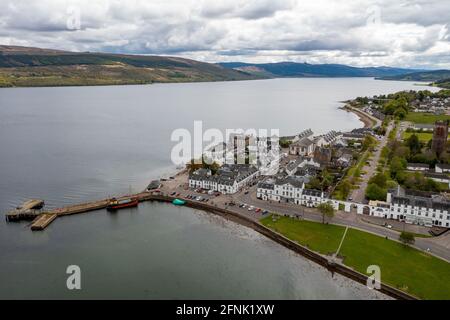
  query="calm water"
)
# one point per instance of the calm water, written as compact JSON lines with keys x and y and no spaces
{"x":67,"y":145}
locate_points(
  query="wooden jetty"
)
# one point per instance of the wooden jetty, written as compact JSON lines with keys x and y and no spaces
{"x":45,"y":219}
{"x":42,"y":221}
{"x":29,"y":210}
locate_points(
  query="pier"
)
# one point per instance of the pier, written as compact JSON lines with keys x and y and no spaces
{"x":29,"y":210}
{"x":43,"y":219}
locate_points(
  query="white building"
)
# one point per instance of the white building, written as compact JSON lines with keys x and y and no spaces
{"x":303,"y":147}
{"x":228,"y":180}
{"x":418,"y":208}
{"x":442,"y":168}
{"x":417,"y":167}
{"x":327,"y":139}
{"x":290,"y":190}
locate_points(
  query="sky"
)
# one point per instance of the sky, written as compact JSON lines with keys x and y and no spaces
{"x":414,"y":33}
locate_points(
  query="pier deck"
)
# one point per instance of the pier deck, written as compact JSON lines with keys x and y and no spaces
{"x":43,"y":220}
{"x":27,"y":211}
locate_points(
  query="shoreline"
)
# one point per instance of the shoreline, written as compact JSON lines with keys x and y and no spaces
{"x":313,"y":256}
{"x":367,"y":120}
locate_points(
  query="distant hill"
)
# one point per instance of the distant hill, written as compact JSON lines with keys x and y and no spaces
{"x":24,"y":66}
{"x":424,"y":76}
{"x":293,"y":69}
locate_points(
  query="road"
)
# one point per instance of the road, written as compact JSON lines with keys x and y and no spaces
{"x":359,"y":194}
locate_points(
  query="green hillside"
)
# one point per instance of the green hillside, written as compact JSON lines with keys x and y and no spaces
{"x":22,"y":67}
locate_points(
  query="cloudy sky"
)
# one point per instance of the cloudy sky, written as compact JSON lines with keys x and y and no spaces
{"x":413,"y":33}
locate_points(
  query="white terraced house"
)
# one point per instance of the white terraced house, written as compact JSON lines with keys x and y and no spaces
{"x":418,"y":167}
{"x":421,"y":208}
{"x":442,"y":168}
{"x":289,"y":190}
{"x":228,"y":180}
{"x":327,"y":139}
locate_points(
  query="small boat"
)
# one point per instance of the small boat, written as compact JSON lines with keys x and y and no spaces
{"x":179,"y":202}
{"x":115,"y":204}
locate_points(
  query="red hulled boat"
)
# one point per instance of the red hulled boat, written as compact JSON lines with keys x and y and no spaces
{"x":115,"y":204}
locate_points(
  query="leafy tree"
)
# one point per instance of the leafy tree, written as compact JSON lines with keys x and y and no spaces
{"x":414,"y":144}
{"x":326,"y":209}
{"x":326,"y":180}
{"x":400,"y":113}
{"x":379,"y":179}
{"x":397,"y":165}
{"x":375,"y":192}
{"x":345,"y":189}
{"x":368,"y":142}
{"x":407,"y":238}
{"x":285,"y":143}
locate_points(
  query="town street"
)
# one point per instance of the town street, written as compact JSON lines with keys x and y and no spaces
{"x":359,"y":194}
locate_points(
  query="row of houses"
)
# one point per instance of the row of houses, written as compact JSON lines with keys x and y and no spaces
{"x":289,"y":189}
{"x":431,"y":105}
{"x":417,"y":207}
{"x":229,"y":179}
{"x":307,"y":144}
{"x":439,"y":174}
{"x":412,"y":207}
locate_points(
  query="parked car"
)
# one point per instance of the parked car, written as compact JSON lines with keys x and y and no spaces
{"x":246,"y":192}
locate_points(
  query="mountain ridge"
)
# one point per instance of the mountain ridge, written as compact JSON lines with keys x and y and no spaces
{"x":29,"y":66}
{"x":296,"y":69}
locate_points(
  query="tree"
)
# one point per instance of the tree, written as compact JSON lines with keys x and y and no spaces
{"x":368,"y":142}
{"x":285,"y":143}
{"x":327,"y":180}
{"x":345,"y":188}
{"x":414,"y":144}
{"x":407,"y":238}
{"x":397,"y":165}
{"x":375,"y":192}
{"x":326,"y":209}
{"x":379,"y":179}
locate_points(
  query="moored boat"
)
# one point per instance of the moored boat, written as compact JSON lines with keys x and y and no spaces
{"x":115,"y":204}
{"x":179,"y":202}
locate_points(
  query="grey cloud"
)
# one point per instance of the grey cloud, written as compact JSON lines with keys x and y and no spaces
{"x":408,"y":32}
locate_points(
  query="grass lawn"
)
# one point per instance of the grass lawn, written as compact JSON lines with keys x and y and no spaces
{"x":423,"y":136}
{"x":318,"y":237}
{"x":402,"y":267}
{"x":425,"y":118}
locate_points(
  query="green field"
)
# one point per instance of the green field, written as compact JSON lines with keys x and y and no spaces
{"x":318,"y":237}
{"x":425,"y":118}
{"x":423,"y":136}
{"x":402,"y":267}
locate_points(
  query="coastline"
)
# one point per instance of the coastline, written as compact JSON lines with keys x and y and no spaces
{"x":369,"y":121}
{"x":329,"y":264}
